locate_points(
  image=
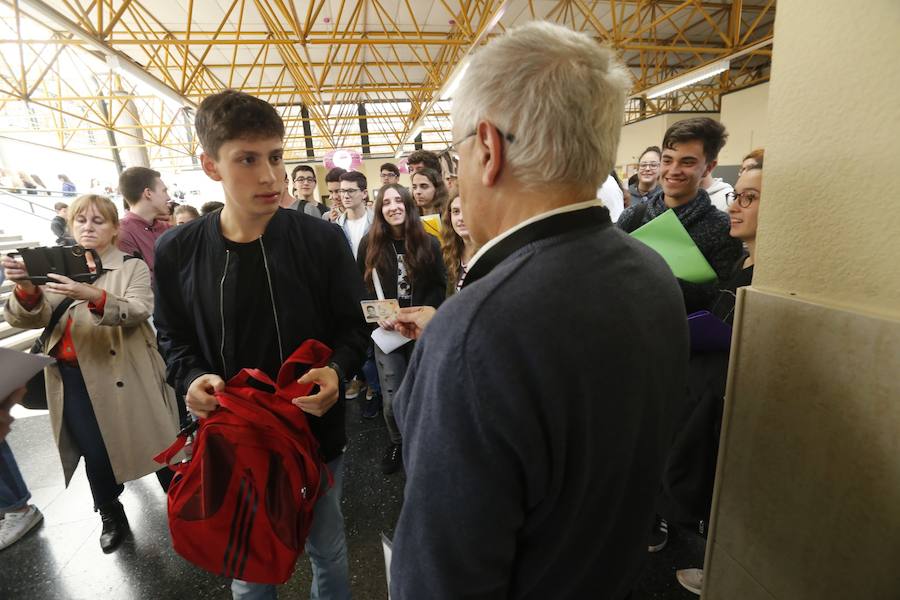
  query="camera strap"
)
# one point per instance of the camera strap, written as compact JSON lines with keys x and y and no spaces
{"x":58,"y":312}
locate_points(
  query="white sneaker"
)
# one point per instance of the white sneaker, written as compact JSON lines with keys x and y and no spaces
{"x":16,"y":524}
{"x":690,"y":579}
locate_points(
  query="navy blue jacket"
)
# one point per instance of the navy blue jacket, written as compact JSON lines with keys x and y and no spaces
{"x":534,"y":418}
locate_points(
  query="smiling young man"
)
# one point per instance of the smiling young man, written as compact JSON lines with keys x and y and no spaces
{"x":244,"y":287}
{"x":690,"y":150}
{"x":148,"y":212}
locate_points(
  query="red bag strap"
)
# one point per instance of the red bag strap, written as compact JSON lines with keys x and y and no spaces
{"x":234,"y":402}
{"x":169,"y":453}
{"x":166,"y":455}
{"x":311,"y":353}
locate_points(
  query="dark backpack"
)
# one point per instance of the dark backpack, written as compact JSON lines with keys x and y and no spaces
{"x":243,"y":506}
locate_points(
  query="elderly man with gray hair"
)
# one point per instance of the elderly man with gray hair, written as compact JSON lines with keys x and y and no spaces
{"x":534,"y":407}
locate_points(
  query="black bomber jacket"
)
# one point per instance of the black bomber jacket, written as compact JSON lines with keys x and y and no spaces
{"x":314,"y":293}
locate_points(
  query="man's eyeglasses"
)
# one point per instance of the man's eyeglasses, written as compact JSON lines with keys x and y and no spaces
{"x":347,"y":192}
{"x":453,"y":148}
{"x":648,"y":166}
{"x":305,"y":180}
{"x":744,"y":199}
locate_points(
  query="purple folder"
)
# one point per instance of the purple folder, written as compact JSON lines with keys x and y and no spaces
{"x":708,"y":332}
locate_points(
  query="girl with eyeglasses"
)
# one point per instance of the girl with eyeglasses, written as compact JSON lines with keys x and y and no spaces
{"x":648,"y":175}
{"x":409,"y":267}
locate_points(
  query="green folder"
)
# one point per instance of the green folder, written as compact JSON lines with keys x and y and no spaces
{"x":667,"y":235}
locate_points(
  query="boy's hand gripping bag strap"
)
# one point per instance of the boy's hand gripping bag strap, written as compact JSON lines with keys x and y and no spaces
{"x":243,"y":506}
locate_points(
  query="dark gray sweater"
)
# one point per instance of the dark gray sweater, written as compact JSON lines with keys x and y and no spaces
{"x":534,"y":428}
{"x":708,"y":227}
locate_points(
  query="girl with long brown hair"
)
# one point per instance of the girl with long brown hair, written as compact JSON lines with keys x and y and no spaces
{"x":410,"y":269}
{"x":429,"y":192}
{"x":457,"y":246}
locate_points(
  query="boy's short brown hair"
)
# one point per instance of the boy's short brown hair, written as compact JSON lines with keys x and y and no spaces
{"x":424,"y":157}
{"x":233,"y":115}
{"x":711,"y":133}
{"x":134,"y":180}
{"x":355,"y":177}
{"x":186,"y":208}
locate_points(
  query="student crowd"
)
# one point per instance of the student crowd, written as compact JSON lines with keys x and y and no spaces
{"x":538,"y":406}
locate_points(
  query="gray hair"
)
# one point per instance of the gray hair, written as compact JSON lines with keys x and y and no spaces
{"x":559,"y":93}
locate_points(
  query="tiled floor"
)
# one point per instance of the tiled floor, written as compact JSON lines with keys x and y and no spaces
{"x":62,"y":559}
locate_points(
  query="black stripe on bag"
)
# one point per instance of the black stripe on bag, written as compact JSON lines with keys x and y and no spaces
{"x":246,"y":542}
{"x":239,"y":512}
{"x":240,"y":547}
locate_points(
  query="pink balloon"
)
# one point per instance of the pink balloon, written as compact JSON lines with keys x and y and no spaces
{"x":349,"y":160}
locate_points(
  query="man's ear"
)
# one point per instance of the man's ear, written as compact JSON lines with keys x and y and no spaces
{"x":210,"y":167}
{"x":489,"y":146}
{"x":709,"y":167}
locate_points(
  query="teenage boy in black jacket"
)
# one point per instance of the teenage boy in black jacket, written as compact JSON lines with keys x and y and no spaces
{"x":245,"y":286}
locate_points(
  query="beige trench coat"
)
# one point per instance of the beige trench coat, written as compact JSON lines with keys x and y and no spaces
{"x":123,"y":372}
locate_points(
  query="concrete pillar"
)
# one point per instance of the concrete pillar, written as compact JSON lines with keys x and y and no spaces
{"x":807,"y":501}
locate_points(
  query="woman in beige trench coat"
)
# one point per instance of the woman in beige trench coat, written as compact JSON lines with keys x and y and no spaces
{"x":107,"y":394}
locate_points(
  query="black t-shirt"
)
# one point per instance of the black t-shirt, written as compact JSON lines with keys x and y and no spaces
{"x":404,"y":286}
{"x":253,"y":307}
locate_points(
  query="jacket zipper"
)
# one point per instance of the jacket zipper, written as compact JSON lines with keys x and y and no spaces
{"x":222,"y":311}
{"x":272,"y":298}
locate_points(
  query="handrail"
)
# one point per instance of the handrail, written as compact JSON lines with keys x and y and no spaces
{"x":8,"y":197}
{"x":19,"y":190}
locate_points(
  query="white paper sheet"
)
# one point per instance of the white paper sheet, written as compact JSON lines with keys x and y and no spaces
{"x":388,"y":341}
{"x":16,"y":368}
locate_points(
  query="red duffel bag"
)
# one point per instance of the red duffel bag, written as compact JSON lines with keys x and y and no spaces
{"x":242,"y":507}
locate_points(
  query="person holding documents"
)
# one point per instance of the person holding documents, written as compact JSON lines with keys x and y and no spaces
{"x":690,"y":151}
{"x":526,"y":478}
{"x":403,"y":261}
{"x":106,"y":393}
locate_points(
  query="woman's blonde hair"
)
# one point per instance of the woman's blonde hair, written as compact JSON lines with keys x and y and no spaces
{"x":101,"y":204}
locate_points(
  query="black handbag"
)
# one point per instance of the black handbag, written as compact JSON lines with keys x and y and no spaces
{"x":36,"y":389}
